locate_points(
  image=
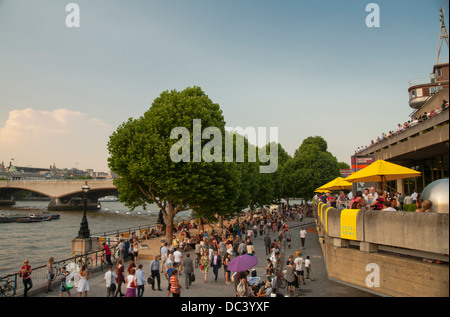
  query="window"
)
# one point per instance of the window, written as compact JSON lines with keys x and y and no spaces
{"x":439,"y":73}
{"x":413,"y":94}
{"x":419,"y":92}
{"x":432,"y":90}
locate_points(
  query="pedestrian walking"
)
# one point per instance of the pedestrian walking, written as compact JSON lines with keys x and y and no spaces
{"x":188,"y":270}
{"x":299,"y":268}
{"x":175,"y":287}
{"x":168,"y":274}
{"x":164,"y":252}
{"x":83,"y":281}
{"x":267,"y":243}
{"x":62,"y":287}
{"x":216,"y":263}
{"x":204,"y":266}
{"x":131,"y":283}
{"x":140,"y":280}
{"x":177,"y":259}
{"x":226,"y":260}
{"x":110,"y":280}
{"x":25,"y":273}
{"x":303,"y":236}
{"x":107,"y":253}
{"x":288,"y":238}
{"x":154,"y":272}
{"x":290,"y":278}
{"x":308,"y":268}
{"x":120,"y":279}
{"x":50,"y":274}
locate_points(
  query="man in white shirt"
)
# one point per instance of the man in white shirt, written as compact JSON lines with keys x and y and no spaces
{"x":177,"y":259}
{"x":303,"y":237}
{"x":414,"y":197}
{"x":299,"y":268}
{"x":350,"y":195}
{"x":163,"y":252}
{"x":110,"y":279}
{"x":372,"y":195}
{"x":140,"y":279}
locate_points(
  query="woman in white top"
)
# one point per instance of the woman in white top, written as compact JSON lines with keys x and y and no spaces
{"x":131,"y":283}
{"x":83,"y":284}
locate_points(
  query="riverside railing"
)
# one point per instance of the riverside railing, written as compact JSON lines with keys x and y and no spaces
{"x":39,"y":275}
{"x":96,"y":257}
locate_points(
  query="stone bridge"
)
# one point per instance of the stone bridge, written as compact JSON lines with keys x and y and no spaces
{"x":64,"y":194}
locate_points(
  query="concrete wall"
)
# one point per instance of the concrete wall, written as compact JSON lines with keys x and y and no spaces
{"x":398,"y":277}
{"x":354,"y":260}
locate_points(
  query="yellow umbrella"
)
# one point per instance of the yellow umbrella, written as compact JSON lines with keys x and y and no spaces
{"x":337,"y":184}
{"x":382,"y":171}
{"x":318,"y":190}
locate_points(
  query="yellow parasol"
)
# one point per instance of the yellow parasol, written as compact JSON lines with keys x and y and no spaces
{"x":382,"y":171}
{"x":318,"y":190}
{"x":336,"y":184}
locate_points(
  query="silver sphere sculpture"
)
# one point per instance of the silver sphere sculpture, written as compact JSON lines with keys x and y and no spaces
{"x":437,"y":193}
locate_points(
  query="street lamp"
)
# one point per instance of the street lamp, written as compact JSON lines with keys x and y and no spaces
{"x":84,"y":232}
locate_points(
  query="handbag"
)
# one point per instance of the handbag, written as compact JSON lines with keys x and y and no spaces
{"x":151,"y":280}
{"x":192,"y":277}
{"x":68,"y":285}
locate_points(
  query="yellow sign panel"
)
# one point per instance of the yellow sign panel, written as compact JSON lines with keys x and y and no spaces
{"x":348,"y":224}
{"x":326,"y":219}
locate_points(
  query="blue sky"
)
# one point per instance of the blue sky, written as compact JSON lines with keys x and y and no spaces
{"x":307,"y":67}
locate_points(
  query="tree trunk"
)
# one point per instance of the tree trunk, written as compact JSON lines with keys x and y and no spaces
{"x":221,"y":222}
{"x":200,"y":227}
{"x":168,"y":218}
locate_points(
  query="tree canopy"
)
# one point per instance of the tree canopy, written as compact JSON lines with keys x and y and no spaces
{"x":165,"y":158}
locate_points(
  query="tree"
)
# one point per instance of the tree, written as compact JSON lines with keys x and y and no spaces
{"x":311,"y":167}
{"x":140,"y":154}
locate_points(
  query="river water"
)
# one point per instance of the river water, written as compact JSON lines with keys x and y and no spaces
{"x":39,"y":241}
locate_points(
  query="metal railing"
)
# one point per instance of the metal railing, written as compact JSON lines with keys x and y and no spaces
{"x":39,"y":274}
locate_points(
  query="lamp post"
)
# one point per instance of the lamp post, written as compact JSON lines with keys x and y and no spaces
{"x":84,"y":232}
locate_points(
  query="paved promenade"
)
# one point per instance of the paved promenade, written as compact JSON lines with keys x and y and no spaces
{"x":321,"y":286}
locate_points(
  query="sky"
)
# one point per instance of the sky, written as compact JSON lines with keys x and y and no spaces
{"x":309,"y":68}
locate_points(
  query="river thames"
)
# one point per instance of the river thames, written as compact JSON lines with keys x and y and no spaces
{"x":39,"y":241}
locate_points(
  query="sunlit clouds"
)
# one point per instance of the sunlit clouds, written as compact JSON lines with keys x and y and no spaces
{"x":40,"y":138}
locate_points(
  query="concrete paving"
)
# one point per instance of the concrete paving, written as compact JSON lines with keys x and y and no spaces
{"x":321,"y":286}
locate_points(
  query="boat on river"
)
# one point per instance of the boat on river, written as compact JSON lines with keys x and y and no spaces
{"x":29,"y":218}
{"x":108,"y":199}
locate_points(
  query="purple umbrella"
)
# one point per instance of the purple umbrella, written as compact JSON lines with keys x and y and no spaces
{"x":242,"y":263}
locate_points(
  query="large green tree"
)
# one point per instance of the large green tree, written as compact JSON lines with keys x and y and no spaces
{"x":140,"y":154}
{"x":311,"y":167}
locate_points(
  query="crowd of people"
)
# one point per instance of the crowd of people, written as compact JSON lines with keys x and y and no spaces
{"x":415,"y":119}
{"x":371,"y":199}
{"x":209,"y":250}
